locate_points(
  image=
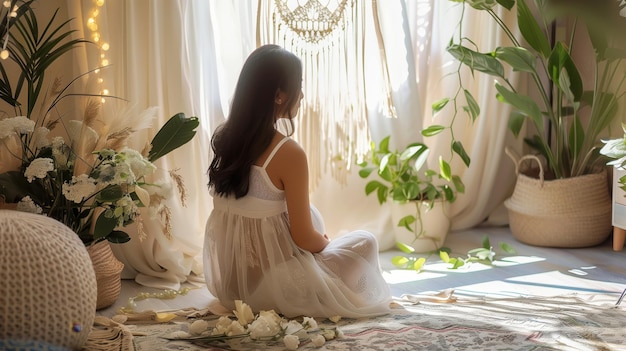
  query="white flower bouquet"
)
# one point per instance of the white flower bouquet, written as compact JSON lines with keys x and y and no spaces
{"x":79,"y":171}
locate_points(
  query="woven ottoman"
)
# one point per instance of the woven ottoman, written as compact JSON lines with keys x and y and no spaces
{"x":48,"y":291}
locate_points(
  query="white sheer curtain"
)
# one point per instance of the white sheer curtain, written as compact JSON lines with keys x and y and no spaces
{"x":185,"y":56}
{"x":155,"y":61}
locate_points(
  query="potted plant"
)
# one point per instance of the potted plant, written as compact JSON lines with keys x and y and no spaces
{"x":74,"y":166}
{"x":420,"y":197}
{"x":86,"y":177}
{"x":568,"y":114}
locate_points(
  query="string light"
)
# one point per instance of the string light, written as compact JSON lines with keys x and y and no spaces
{"x":96,"y":37}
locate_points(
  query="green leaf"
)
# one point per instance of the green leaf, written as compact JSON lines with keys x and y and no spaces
{"x":406,"y":222}
{"x":104,"y":226}
{"x":508,"y":248}
{"x":384,"y":145}
{"x":111,"y":193}
{"x":486,"y":243}
{"x":118,"y":237}
{"x":530,"y":29}
{"x":444,"y":256}
{"x":399,"y":261}
{"x":458,"y":148}
{"x":419,"y":264}
{"x":508,"y":4}
{"x":365,"y":172}
{"x":432,"y":130}
{"x":458,"y":184}
{"x":564,"y":73}
{"x":472,"y":106}
{"x":477,"y":61}
{"x":523,"y":103}
{"x":516,"y":122}
{"x":457,"y":262}
{"x":444,"y":168}
{"x":519,"y":58}
{"x":405,"y":248}
{"x":439,"y":105}
{"x":176,"y":132}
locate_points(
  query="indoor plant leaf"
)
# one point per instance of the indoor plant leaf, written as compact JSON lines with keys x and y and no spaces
{"x":178,"y":130}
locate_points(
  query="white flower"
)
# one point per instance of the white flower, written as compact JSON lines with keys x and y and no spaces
{"x":198,"y":327}
{"x":138,"y":165}
{"x":19,"y":124}
{"x":328,"y":334}
{"x":264,"y":326}
{"x":243,"y":312}
{"x":309,"y":323}
{"x":293,"y":327}
{"x":236,"y":329}
{"x":79,"y":188}
{"x":318,"y":340}
{"x":291,"y":342}
{"x":335,"y":319}
{"x":4,"y":54}
{"x":60,"y":152}
{"x":40,"y":137}
{"x":6,"y":3}
{"x":39,"y":168}
{"x":26,"y":204}
{"x":222,"y":327}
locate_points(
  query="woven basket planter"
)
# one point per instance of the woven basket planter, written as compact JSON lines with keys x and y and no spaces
{"x":108,"y":273}
{"x":567,"y":213}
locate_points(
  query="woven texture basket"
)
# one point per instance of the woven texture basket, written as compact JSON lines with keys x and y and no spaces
{"x":47,"y":282}
{"x":567,"y":213}
{"x":108,"y":273}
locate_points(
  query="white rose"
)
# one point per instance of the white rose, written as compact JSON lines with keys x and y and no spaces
{"x":309,"y":323}
{"x":198,"y":327}
{"x":264,"y":326}
{"x":243,"y":312}
{"x":291,"y":342}
{"x":318,"y":340}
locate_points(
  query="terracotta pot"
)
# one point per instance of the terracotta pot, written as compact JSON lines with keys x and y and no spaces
{"x":108,"y":273}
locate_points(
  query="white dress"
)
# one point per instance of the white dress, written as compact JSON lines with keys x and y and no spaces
{"x":249,"y":255}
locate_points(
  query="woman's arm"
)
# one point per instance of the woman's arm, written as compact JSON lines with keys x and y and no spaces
{"x":290,"y":164}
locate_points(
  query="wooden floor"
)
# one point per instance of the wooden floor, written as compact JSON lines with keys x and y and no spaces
{"x":531,"y":271}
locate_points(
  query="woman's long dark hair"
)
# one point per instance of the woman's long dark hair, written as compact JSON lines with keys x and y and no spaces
{"x":250,"y":126}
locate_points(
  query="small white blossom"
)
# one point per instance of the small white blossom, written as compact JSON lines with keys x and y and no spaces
{"x":79,"y":188}
{"x":39,"y":168}
{"x":291,"y":342}
{"x":6,"y":3}
{"x":236,"y":329}
{"x":243,"y":312}
{"x":26,"y":204}
{"x":40,"y":137}
{"x":198,"y":327}
{"x":19,"y":125}
{"x":60,"y":151}
{"x":4,"y":54}
{"x":309,"y":323}
{"x":318,"y":340}
{"x":292,"y":327}
{"x":222,"y":327}
{"x":335,"y":319}
{"x":264,"y":326}
{"x":329,"y":334}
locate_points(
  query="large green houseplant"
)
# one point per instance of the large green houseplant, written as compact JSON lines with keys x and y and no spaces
{"x":415,"y":190}
{"x":566,"y":115}
{"x":64,"y":164}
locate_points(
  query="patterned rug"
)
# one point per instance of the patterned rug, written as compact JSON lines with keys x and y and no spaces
{"x":573,"y":322}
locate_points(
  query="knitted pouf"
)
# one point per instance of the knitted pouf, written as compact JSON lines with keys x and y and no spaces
{"x":48,"y":285}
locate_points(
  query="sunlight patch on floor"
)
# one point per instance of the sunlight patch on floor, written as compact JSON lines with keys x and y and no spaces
{"x":398,"y":276}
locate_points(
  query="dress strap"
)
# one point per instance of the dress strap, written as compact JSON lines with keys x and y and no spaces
{"x":269,"y":158}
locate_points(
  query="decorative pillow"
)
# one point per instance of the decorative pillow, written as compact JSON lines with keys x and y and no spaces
{"x":48,"y":291}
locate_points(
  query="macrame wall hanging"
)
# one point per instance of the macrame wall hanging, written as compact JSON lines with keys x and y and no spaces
{"x":328,"y":35}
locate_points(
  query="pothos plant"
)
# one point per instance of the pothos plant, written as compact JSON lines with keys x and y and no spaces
{"x":484,"y":254}
{"x":403,"y":178}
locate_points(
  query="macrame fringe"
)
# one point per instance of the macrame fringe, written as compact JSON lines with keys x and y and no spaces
{"x":107,"y":335}
{"x":333,"y":127}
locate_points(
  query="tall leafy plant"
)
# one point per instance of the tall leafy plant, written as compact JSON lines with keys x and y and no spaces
{"x":576,"y":114}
